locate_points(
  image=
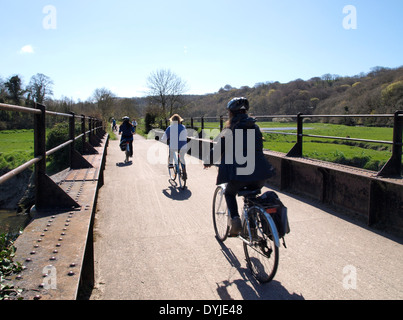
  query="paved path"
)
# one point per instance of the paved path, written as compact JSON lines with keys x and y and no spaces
{"x":155,"y":242}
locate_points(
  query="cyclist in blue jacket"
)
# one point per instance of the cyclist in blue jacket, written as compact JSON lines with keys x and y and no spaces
{"x":127,"y":130}
{"x":176,"y":137}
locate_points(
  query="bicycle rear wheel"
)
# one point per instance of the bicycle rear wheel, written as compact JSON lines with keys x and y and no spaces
{"x":220,"y":214}
{"x":182,"y":175}
{"x":127,"y":153}
{"x":171,"y":170}
{"x":262,"y":256}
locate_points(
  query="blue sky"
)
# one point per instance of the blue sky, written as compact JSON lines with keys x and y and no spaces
{"x":87,"y":44}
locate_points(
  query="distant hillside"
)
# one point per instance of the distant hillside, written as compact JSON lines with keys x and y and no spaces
{"x":379,"y":91}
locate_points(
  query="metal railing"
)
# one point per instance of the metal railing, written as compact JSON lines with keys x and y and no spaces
{"x":43,"y":184}
{"x":392,"y":168}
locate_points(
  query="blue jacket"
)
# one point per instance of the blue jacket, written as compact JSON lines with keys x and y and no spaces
{"x":177,"y":136}
{"x":127,"y":131}
{"x":242,"y":157}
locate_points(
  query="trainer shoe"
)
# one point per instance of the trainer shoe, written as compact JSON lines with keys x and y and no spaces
{"x":236,"y":226}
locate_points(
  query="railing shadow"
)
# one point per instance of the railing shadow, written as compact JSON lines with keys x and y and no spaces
{"x":248,"y":286}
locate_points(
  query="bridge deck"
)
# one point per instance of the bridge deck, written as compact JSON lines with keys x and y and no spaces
{"x":53,"y":245}
{"x":153,"y":241}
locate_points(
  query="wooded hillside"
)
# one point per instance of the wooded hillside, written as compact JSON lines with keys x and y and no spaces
{"x":379,"y":91}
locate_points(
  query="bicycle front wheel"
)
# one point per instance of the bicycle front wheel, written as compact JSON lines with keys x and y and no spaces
{"x":220,"y":214}
{"x":262,"y":255}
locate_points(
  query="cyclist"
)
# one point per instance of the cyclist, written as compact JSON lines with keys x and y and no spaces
{"x":127,"y":130}
{"x":235,"y":138}
{"x":134,"y":124}
{"x":176,"y":137}
{"x":113,"y":124}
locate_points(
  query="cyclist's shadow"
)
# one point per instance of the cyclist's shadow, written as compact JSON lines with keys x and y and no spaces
{"x":177,"y":194}
{"x":124,"y":164}
{"x":248,"y":286}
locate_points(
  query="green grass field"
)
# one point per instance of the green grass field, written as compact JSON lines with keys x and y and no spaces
{"x":16,"y":147}
{"x":371,"y":156}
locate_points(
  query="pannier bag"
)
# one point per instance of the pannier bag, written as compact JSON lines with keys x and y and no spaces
{"x":123,"y":145}
{"x":270,"y":201}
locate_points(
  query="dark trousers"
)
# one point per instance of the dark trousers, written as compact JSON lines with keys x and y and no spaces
{"x":232,"y":190}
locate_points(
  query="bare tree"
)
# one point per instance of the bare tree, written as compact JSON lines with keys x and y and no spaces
{"x":104,"y":99}
{"x":166,"y":89}
{"x":39,"y":87}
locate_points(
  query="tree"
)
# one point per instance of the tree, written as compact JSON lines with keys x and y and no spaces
{"x":166,"y":89}
{"x":15,"y":92}
{"x":3,"y":91}
{"x":392,"y":95}
{"x":39,"y":87}
{"x":104,"y":99}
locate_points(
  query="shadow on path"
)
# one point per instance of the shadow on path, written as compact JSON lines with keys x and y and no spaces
{"x":124,"y":164}
{"x":177,"y":194}
{"x":248,"y":286}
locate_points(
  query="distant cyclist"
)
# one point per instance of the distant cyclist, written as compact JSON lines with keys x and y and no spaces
{"x":127,"y":130}
{"x":134,"y":124}
{"x":176,"y":137}
{"x":244,"y":136}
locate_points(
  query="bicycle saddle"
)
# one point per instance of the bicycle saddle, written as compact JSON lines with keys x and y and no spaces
{"x":249,"y":193}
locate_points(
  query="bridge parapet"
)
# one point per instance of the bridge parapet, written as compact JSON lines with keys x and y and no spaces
{"x":364,"y":194}
{"x":376,"y":200}
{"x":56,"y":248}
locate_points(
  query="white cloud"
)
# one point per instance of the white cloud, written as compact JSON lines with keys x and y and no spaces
{"x":27,"y":49}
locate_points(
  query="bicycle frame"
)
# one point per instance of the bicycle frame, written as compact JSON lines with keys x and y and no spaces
{"x":176,"y":160}
{"x":179,"y":168}
{"x":245,"y":217}
{"x":273,"y":227}
{"x":127,"y":151}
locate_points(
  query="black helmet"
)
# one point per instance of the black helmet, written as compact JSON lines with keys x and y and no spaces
{"x":238,"y":104}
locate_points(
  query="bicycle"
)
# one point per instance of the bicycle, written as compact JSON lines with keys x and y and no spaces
{"x":177,"y":169}
{"x":125,"y":146}
{"x":259,"y":233}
